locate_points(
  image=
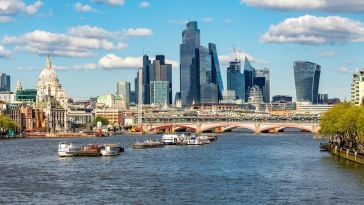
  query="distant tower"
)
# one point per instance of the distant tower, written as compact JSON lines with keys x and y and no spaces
{"x":19,"y":86}
{"x":307,"y":78}
{"x":140,"y":97}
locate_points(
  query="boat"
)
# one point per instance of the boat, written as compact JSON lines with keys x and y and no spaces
{"x":204,"y":139}
{"x":110,"y":149}
{"x":194,"y":141}
{"x":68,"y":149}
{"x":90,"y":150}
{"x":212,"y":137}
{"x":147,"y":144}
{"x":324,"y":147}
{"x":169,"y":139}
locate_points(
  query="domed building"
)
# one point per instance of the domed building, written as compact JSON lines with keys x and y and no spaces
{"x":49,"y":88}
{"x":255,"y":95}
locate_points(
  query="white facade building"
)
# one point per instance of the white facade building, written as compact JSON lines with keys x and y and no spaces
{"x":357,"y":88}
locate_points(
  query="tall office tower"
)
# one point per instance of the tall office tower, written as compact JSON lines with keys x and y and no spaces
{"x":261,"y":79}
{"x":206,"y":89}
{"x":123,"y":90}
{"x":307,"y":79}
{"x":159,"y":94}
{"x":160,"y":71}
{"x":146,"y":79}
{"x":215,"y":68}
{"x":136,"y":86}
{"x":249,"y":74}
{"x":4,"y":82}
{"x":235,"y":79}
{"x":357,"y":88}
{"x":190,"y":42}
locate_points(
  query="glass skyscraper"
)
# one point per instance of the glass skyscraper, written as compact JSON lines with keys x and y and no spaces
{"x":123,"y":90}
{"x":190,"y":41}
{"x":4,"y":82}
{"x":146,"y":80}
{"x":307,"y":78}
{"x":249,"y":74}
{"x":160,"y":71}
{"x":261,"y":79}
{"x":159,"y":94}
{"x":207,"y":89}
{"x":215,"y":69}
{"x":235,"y":79}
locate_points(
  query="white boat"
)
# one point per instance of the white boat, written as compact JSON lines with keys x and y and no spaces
{"x":205,"y":139}
{"x":169,"y":139}
{"x":111,"y":149}
{"x":68,"y":149}
{"x":194,"y":141}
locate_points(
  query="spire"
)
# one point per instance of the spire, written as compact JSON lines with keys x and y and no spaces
{"x":48,"y":62}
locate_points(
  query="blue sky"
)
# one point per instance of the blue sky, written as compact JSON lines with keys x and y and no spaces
{"x":95,"y":43}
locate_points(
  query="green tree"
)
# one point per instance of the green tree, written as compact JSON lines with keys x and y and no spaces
{"x":103,"y":121}
{"x":7,"y":124}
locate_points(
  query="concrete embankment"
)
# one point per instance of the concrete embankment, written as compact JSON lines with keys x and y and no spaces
{"x":347,"y":154}
{"x":57,"y":135}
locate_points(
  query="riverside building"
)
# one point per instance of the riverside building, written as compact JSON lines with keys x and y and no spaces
{"x":357,"y":88}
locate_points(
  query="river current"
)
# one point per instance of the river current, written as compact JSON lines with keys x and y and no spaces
{"x":239,"y":168}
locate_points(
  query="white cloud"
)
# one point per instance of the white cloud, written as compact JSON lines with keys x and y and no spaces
{"x":315,"y":30}
{"x":208,"y":19}
{"x":4,"y":53}
{"x":80,"y":41}
{"x":110,"y":2}
{"x":228,"y":21}
{"x":86,"y":66}
{"x":138,"y":32}
{"x":144,"y":5}
{"x":112,"y":61}
{"x":11,"y":8}
{"x":84,"y":8}
{"x":178,"y":21}
{"x":326,"y":54}
{"x":340,"y":70}
{"x":239,"y":54}
{"x":323,"y":5}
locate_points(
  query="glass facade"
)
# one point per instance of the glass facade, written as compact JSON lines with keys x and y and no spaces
{"x":146,"y":79}
{"x":262,"y":80}
{"x":249,"y":74}
{"x":160,"y":71}
{"x":4,"y":82}
{"x":159,"y":92}
{"x":123,"y":89}
{"x":27,"y":95}
{"x":215,"y":66}
{"x":236,"y":80}
{"x":190,"y":41}
{"x":307,"y":78}
{"x":207,"y":89}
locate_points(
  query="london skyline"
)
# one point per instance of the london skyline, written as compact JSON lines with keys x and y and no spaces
{"x":119,"y":32}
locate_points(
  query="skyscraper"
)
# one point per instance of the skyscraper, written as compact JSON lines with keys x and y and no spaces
{"x":190,"y":41}
{"x":4,"y":82}
{"x":235,"y":79}
{"x":160,"y":71}
{"x":207,"y":90}
{"x":159,"y":93}
{"x":261,"y":79}
{"x":146,"y":79}
{"x":123,"y":90}
{"x":215,"y":69}
{"x":307,"y":78}
{"x":249,"y":74}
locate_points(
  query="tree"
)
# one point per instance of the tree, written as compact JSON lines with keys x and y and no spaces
{"x":103,"y":121}
{"x":7,"y":124}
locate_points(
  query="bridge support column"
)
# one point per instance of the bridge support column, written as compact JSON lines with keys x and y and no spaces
{"x":257,"y":128}
{"x":198,"y":128}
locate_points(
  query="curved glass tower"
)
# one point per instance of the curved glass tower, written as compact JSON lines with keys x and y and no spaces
{"x":307,"y":78}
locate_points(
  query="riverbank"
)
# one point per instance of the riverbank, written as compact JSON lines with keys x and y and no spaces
{"x":57,"y":135}
{"x":347,"y":154}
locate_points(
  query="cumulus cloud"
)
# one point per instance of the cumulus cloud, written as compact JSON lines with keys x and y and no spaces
{"x":4,"y":53}
{"x":323,"y":5}
{"x":112,"y":61}
{"x":84,"y":8}
{"x":79,"y":41}
{"x":86,"y":66}
{"x":110,"y":2}
{"x":144,"y":5}
{"x":239,"y":54}
{"x":315,"y":30}
{"x":11,"y":8}
{"x":138,"y":32}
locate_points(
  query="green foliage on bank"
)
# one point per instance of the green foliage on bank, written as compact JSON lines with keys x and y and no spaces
{"x":7,"y":124}
{"x":344,"y":119}
{"x":103,"y":121}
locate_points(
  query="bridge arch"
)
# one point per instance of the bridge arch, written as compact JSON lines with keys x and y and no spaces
{"x":281,"y":127}
{"x":227,"y":126}
{"x":170,"y":126}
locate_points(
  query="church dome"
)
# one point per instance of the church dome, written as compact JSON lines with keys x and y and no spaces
{"x":48,"y":75}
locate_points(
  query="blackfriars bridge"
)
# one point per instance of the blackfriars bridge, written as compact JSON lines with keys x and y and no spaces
{"x":226,"y":123}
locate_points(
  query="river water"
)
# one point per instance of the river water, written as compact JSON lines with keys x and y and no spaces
{"x":239,"y":168}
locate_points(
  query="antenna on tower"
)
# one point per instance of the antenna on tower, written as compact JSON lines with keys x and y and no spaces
{"x":235,"y":55}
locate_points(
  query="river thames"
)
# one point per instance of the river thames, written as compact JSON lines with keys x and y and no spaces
{"x":239,"y":168}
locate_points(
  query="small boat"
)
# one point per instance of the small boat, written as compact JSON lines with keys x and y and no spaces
{"x":111,"y":149}
{"x":148,"y":144}
{"x":324,"y":147}
{"x":68,"y":149}
{"x":212,"y":137}
{"x":90,"y":150}
{"x":204,"y":139}
{"x":169,"y":139}
{"x":194,"y":141}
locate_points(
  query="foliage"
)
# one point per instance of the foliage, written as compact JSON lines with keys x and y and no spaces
{"x":344,"y":119}
{"x":7,"y":124}
{"x":103,"y":121}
